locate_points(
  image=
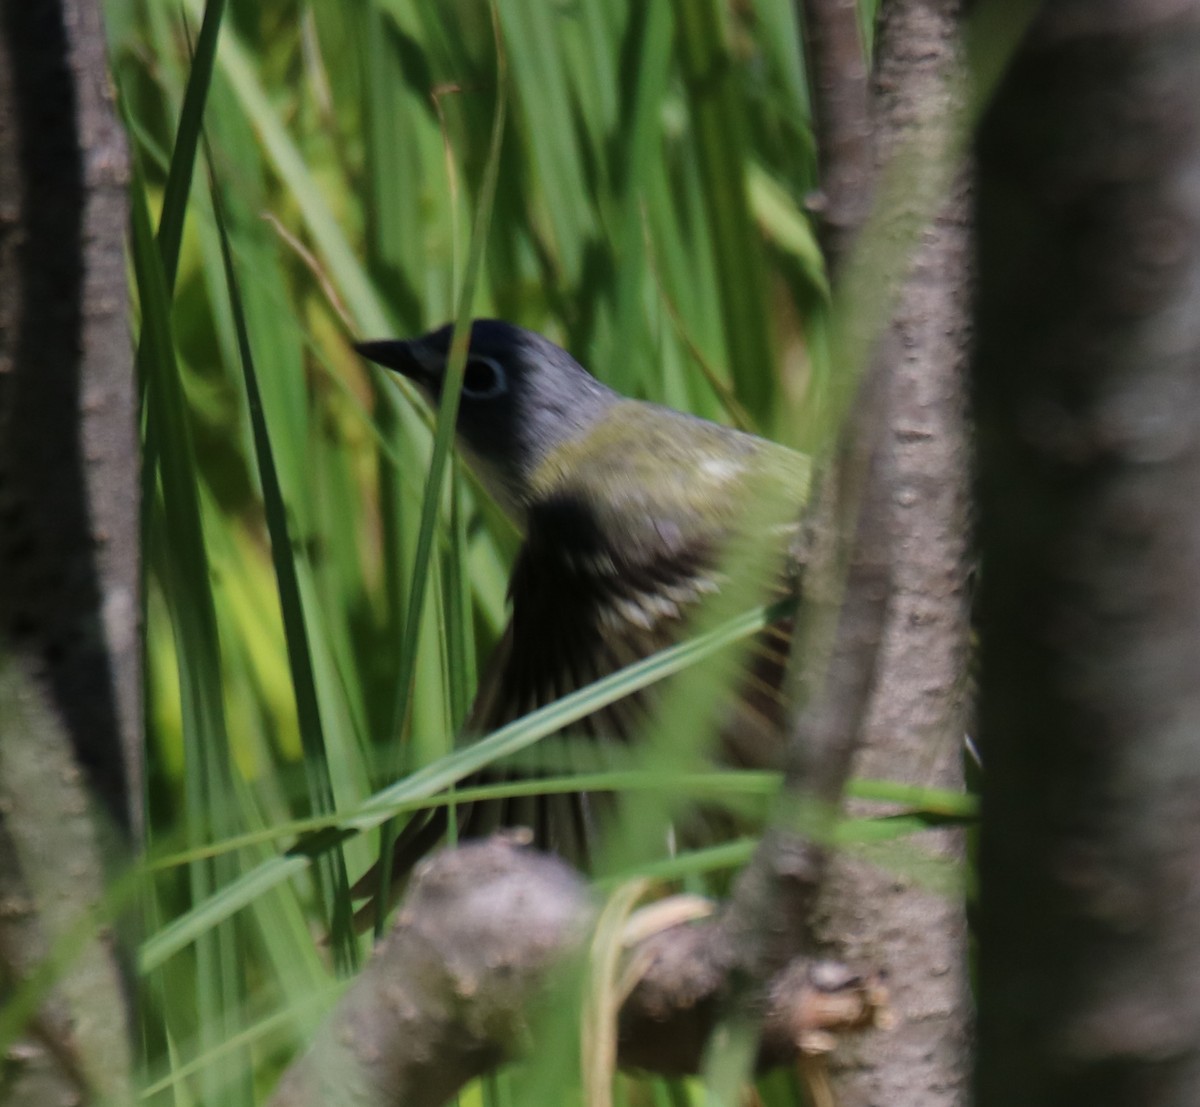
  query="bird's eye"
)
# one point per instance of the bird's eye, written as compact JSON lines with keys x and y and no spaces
{"x":483,"y":378}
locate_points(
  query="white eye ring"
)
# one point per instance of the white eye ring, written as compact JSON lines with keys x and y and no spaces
{"x":485,"y":386}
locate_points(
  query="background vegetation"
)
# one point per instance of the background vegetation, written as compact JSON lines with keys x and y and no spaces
{"x":649,"y":213}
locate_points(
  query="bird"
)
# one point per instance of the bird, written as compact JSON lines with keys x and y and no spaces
{"x":625,"y":508}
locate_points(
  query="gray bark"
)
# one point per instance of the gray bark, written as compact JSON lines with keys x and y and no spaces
{"x":451,"y":991}
{"x":1088,"y":395}
{"x":70,"y":696}
{"x":68,"y":445}
{"x":52,"y":881}
{"x":872,"y":914}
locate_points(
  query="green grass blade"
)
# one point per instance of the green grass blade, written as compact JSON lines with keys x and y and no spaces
{"x":720,"y":140}
{"x":924,"y":806}
{"x":185,"y":572}
{"x":344,"y":267}
{"x":577,"y":705}
{"x":206,"y":917}
{"x":443,"y":441}
{"x":460,"y":637}
{"x":174,"y":207}
{"x":331,"y":866}
{"x":187,"y":139}
{"x":641,"y":151}
{"x":433,"y":778}
{"x":543,"y":91}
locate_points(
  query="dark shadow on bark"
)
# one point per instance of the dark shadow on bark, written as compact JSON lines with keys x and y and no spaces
{"x":50,"y":594}
{"x":1087,"y":382}
{"x":69,"y":653}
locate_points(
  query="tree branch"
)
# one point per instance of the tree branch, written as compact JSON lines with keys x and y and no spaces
{"x":917,"y":714}
{"x":449,"y":992}
{"x":842,"y":122}
{"x":847,"y":579}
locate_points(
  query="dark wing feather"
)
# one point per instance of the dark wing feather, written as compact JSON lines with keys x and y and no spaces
{"x":580,"y":611}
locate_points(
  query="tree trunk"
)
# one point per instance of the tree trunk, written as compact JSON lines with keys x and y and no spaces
{"x":1088,"y":383}
{"x":70,"y":695}
{"x":872,"y":913}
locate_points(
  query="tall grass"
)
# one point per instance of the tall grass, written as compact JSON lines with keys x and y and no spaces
{"x":648,"y":213}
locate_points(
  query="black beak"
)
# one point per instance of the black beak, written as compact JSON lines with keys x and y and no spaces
{"x":403,"y":357}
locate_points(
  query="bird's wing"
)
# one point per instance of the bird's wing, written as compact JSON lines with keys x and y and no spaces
{"x":581,"y":610}
{"x":585,"y":604}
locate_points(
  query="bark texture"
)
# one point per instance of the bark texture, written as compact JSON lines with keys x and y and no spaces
{"x":451,"y":992}
{"x":842,"y":120}
{"x":873,"y":914}
{"x":68,"y":446}
{"x":77,"y":1046}
{"x":70,"y":697}
{"x":1088,"y":391}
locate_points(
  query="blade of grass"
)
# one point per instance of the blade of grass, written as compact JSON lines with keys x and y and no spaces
{"x":443,"y":440}
{"x":449,"y":770}
{"x":315,"y":1002}
{"x":925,"y":807}
{"x":331,"y":868}
{"x":344,"y":267}
{"x":174,"y":211}
{"x":185,"y":575}
{"x":187,"y":139}
{"x":720,"y":146}
{"x":639,"y":155}
{"x":542,"y":85}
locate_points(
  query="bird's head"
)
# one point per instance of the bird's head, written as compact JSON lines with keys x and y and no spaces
{"x":522,"y":398}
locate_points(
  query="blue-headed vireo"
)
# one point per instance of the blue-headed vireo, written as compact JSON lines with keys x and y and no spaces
{"x":626,"y":508}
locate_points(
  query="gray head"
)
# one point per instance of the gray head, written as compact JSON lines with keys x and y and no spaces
{"x":522,"y":397}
